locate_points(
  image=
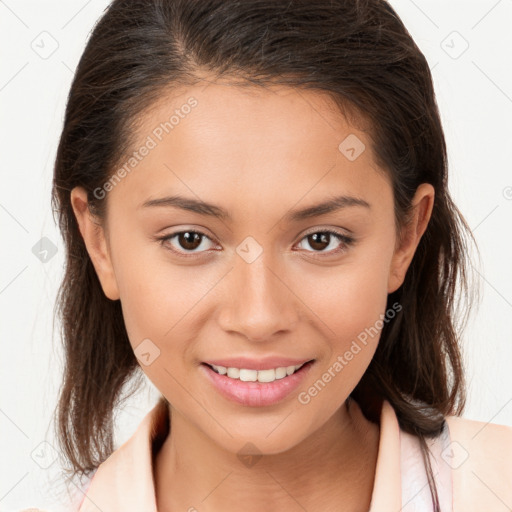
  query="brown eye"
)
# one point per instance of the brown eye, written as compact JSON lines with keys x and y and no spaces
{"x":183,"y":242}
{"x":319,"y":241}
{"x":189,"y":240}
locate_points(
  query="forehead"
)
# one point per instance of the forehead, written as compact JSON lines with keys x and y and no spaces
{"x":274,"y":143}
{"x":274,"y":115}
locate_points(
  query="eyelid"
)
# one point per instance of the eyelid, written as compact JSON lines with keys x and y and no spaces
{"x":325,"y":229}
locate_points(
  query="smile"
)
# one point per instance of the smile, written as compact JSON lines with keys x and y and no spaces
{"x":247,"y":375}
{"x":244,"y":386}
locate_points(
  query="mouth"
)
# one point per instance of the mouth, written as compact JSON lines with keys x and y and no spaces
{"x":256,"y":388}
{"x":261,"y":376}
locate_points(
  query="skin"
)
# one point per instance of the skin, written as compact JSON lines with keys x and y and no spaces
{"x":257,"y":153}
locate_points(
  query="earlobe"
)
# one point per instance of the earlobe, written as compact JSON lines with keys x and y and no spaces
{"x":95,"y":241}
{"x":423,"y":203}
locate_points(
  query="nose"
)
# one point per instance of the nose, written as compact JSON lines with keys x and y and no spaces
{"x":259,"y":303}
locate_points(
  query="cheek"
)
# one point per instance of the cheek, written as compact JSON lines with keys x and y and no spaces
{"x":158,"y":300}
{"x":163,"y":302}
{"x":350,"y":297}
{"x":351,"y":303}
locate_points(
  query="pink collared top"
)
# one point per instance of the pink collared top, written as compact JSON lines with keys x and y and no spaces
{"x":471,"y":461}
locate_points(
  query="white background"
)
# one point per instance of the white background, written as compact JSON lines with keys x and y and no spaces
{"x":474,"y":92}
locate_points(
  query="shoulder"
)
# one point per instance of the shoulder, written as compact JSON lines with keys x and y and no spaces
{"x":480,"y":457}
{"x":125,"y":479}
{"x":472,"y":466}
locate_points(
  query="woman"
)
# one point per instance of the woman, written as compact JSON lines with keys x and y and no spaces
{"x":253,"y":197}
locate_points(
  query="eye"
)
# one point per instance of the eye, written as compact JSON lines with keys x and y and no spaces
{"x":189,"y":242}
{"x":325,"y":239}
{"x":185,"y":242}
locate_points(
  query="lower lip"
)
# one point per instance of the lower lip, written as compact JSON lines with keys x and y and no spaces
{"x":257,"y":394}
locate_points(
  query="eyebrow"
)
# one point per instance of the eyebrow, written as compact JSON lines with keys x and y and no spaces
{"x":205,"y":208}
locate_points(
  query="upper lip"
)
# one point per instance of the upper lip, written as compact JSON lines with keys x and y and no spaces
{"x":257,"y":364}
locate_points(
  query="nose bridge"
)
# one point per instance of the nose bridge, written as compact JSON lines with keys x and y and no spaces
{"x":259,"y":303}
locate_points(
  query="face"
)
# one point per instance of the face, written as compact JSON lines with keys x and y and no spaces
{"x":260,"y":273}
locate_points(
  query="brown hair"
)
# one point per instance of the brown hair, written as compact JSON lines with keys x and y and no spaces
{"x":357,"y":51}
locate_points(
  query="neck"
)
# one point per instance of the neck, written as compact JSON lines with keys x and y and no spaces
{"x":333,"y":469}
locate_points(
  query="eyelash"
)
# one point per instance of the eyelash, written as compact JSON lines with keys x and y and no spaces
{"x":346,"y":242}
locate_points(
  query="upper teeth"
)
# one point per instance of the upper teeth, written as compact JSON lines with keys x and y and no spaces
{"x":246,"y":375}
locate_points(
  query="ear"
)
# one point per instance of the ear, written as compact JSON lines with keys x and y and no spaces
{"x":95,"y":241}
{"x":423,"y":202}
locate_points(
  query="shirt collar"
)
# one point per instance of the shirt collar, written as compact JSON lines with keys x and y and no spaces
{"x":125,"y":480}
